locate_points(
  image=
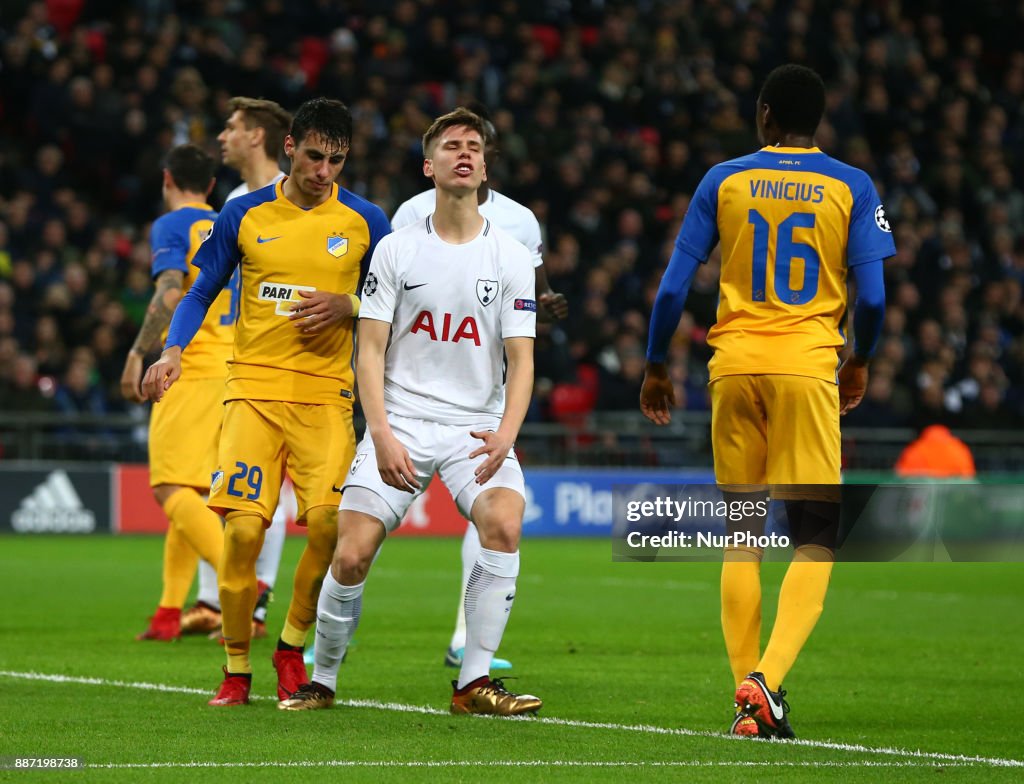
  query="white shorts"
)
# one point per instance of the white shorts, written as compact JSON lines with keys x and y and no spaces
{"x":433,"y":448}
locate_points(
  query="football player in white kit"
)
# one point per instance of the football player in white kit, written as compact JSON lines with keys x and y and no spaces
{"x":519,"y":221}
{"x":445,"y":370}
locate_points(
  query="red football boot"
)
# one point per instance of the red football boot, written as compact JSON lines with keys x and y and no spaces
{"x":291,"y":673}
{"x":164,"y":626}
{"x":233,"y":691}
{"x":766,"y":707}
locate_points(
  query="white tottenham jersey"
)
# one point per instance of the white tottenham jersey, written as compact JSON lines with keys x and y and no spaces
{"x":450,"y":308}
{"x":510,"y":215}
{"x":243,"y":189}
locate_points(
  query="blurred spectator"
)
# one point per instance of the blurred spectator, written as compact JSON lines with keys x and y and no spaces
{"x":78,"y":391}
{"x":619,"y":386}
{"x":21,"y":391}
{"x":48,"y":347}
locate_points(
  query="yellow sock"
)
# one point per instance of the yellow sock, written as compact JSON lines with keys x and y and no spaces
{"x":741,"y":608}
{"x":180,"y":562}
{"x":293,"y":636}
{"x":243,"y":538}
{"x":198,"y":524}
{"x":321,"y":539}
{"x":801,"y":600}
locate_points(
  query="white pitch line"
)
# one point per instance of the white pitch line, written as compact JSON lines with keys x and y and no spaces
{"x":641,"y":728}
{"x":812,"y":744}
{"x":528,"y":764}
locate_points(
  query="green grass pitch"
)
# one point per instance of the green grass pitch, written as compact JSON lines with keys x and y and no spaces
{"x":911,"y":666}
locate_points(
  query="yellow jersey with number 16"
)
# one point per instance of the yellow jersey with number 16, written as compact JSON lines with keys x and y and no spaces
{"x":791,"y":222}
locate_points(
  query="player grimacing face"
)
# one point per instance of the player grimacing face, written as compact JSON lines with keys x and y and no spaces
{"x":457,"y":160}
{"x":315,"y":165}
{"x":235,"y":140}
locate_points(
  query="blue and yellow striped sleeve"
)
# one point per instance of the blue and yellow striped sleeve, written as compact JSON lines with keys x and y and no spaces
{"x":217,"y":259}
{"x":169,"y":244}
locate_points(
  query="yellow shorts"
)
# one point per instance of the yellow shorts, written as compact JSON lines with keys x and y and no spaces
{"x":263,"y":438}
{"x":184,"y":429}
{"x":775,"y":430}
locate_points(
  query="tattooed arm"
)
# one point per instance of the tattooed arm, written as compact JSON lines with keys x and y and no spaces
{"x":158,"y":316}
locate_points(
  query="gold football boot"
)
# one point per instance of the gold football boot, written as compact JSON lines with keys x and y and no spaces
{"x":489,"y":696}
{"x":309,"y":696}
{"x":200,"y":619}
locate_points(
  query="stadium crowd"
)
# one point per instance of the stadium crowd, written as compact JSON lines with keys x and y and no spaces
{"x":608,"y":116}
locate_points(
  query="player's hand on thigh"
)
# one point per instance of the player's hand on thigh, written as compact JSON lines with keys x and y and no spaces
{"x":496,"y":446}
{"x":394,"y":464}
{"x":130,"y":378}
{"x":853,"y":382}
{"x":162,"y":374}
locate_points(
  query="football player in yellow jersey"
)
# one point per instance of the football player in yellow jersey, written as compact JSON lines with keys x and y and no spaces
{"x":300,"y":245}
{"x":792,"y":224}
{"x":251,"y":143}
{"x":181,"y":460}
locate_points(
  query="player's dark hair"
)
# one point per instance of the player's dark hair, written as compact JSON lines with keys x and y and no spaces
{"x":329,"y":119}
{"x":796,"y":96}
{"x":461,"y":116}
{"x":191,"y":168}
{"x":268,"y":115}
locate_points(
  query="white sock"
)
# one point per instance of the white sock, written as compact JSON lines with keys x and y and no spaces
{"x":470,"y":553}
{"x":489,"y":596}
{"x":208,"y":593}
{"x":270,"y":556}
{"x":337,"y":616}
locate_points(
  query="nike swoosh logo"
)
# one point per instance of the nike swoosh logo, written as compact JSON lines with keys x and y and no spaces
{"x":778,"y":712}
{"x":410,"y":288}
{"x":510,"y":597}
{"x":261,"y":240}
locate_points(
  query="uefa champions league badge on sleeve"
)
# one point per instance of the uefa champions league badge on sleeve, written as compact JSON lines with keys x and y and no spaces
{"x":370,"y":285}
{"x":881,"y":221}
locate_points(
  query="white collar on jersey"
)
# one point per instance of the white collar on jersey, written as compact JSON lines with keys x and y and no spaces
{"x":430,"y":226}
